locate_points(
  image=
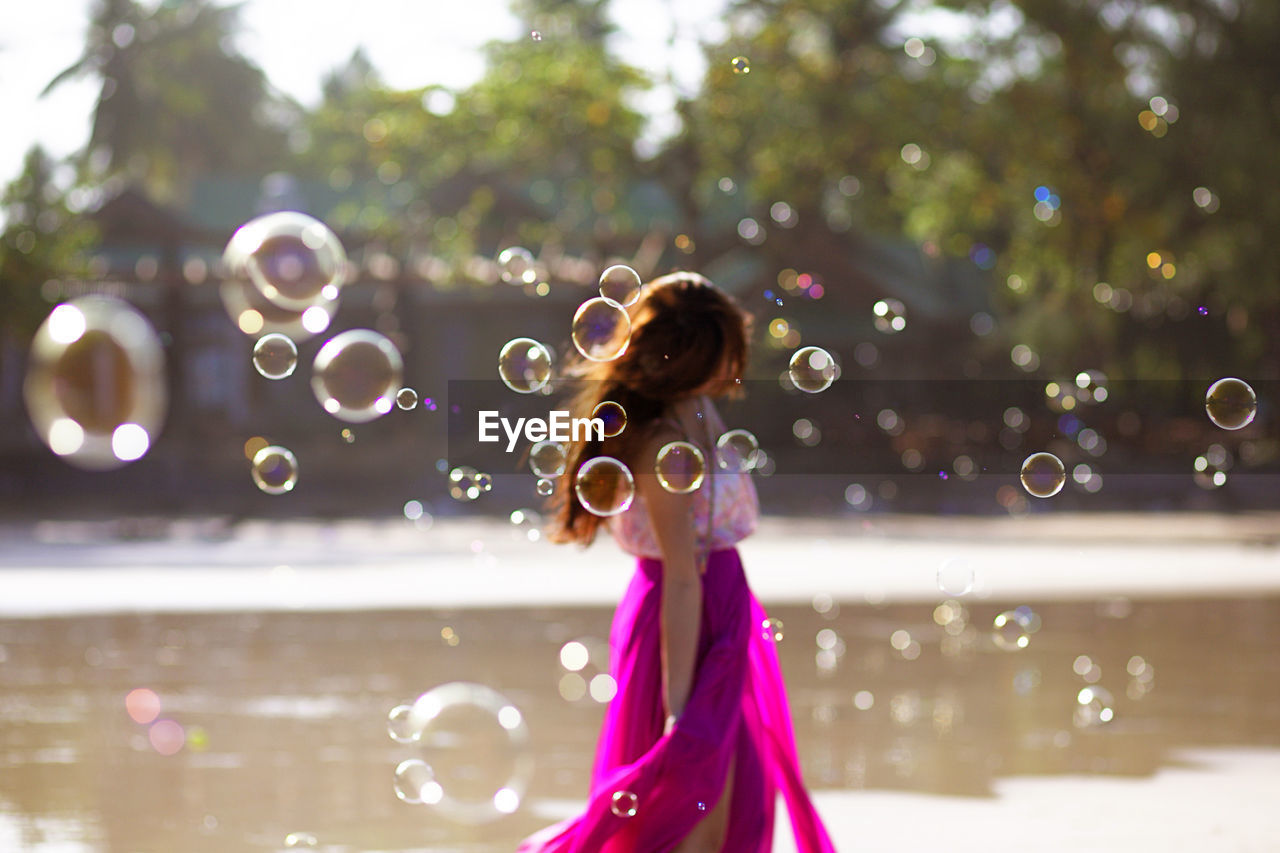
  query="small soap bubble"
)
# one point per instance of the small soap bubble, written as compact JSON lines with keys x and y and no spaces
{"x":737,"y":450}
{"x":547,"y":459}
{"x":624,"y":804}
{"x":545,"y":487}
{"x":771,"y":630}
{"x":300,"y":841}
{"x":406,"y":398}
{"x":621,"y":284}
{"x":1011,"y":630}
{"x":356,"y":374}
{"x":1095,"y":706}
{"x":890,"y":315}
{"x":613,"y":415}
{"x":275,"y":470}
{"x":1043,"y":475}
{"x":524,"y":365}
{"x":1231,"y":403}
{"x":601,"y":329}
{"x":275,"y":356}
{"x":292,"y":259}
{"x":680,"y":467}
{"x":955,"y":576}
{"x":398,"y":725}
{"x":516,"y":266}
{"x":740,"y":65}
{"x":604,"y":486}
{"x":527,"y":524}
{"x":415,"y":783}
{"x":812,"y":369}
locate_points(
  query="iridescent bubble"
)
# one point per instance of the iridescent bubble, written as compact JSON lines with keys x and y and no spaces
{"x":300,"y":841}
{"x":398,"y":724}
{"x":524,"y":365}
{"x":1231,"y":403}
{"x":624,"y":803}
{"x":680,"y":467}
{"x":771,"y":630}
{"x":547,"y":459}
{"x":1043,"y":475}
{"x":275,"y":356}
{"x":356,"y":374}
{"x":289,"y":257}
{"x":601,"y":329}
{"x":275,"y":470}
{"x":476,"y":744}
{"x":812,"y":369}
{"x":1011,"y":630}
{"x":737,"y":450}
{"x":955,"y":576}
{"x":95,"y":384}
{"x":604,"y":486}
{"x":545,"y":487}
{"x":465,"y":483}
{"x":890,"y":315}
{"x":1095,"y":706}
{"x":621,"y":284}
{"x":516,"y":266}
{"x":613,"y":415}
{"x":406,"y":398}
{"x":740,"y":65}
{"x":415,"y":783}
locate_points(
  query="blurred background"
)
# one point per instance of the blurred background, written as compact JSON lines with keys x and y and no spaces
{"x":1017,"y":225}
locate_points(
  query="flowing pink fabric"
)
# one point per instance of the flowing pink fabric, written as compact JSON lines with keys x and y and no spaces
{"x":737,"y":707}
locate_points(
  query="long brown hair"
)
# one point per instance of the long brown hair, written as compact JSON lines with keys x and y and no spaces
{"x":683,"y":329}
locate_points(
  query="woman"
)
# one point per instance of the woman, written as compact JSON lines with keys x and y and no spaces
{"x":698,"y":740}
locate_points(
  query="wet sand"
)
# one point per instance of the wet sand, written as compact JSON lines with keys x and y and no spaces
{"x":933,"y":738}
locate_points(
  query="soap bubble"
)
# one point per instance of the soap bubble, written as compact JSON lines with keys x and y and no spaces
{"x":1011,"y":630}
{"x":680,"y":467}
{"x":476,"y":745}
{"x":890,"y":315}
{"x":415,"y":783}
{"x":604,"y":486}
{"x":621,"y":284}
{"x":601,"y":329}
{"x":1095,"y":706}
{"x":524,"y":365}
{"x":737,"y":450}
{"x":955,"y":576}
{"x":275,"y":356}
{"x":466,"y":483}
{"x":1043,"y":475}
{"x":547,"y":458}
{"x":624,"y":803}
{"x":356,"y":374}
{"x":545,"y":487}
{"x":740,"y":65}
{"x":398,"y":724}
{"x":289,"y":257}
{"x":771,"y":630}
{"x":812,"y":369}
{"x":95,"y":384}
{"x":527,"y":524}
{"x":300,"y":841}
{"x":517,"y":266}
{"x":1231,"y":403}
{"x":406,"y":398}
{"x":275,"y":470}
{"x":613,"y":415}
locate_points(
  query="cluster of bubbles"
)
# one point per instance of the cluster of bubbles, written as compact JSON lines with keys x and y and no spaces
{"x":547,"y":460}
{"x":95,"y":384}
{"x":473,"y":763}
{"x":467,"y":484}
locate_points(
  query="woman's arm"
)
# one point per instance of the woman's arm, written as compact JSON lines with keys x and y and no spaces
{"x":672,"y":519}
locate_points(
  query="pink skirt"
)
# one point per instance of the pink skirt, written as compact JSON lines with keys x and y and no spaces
{"x":736,"y":709}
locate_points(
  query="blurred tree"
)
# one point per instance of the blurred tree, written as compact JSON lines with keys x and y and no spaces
{"x":43,"y":241}
{"x":177,"y":99}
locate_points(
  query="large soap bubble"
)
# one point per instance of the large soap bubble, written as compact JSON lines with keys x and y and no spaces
{"x":601,"y":329}
{"x":290,"y":257}
{"x":524,"y":365}
{"x":680,"y":467}
{"x":737,"y":450}
{"x":1231,"y":403}
{"x":604,"y":486}
{"x":621,"y":284}
{"x":1043,"y":475}
{"x":547,"y":458}
{"x":95,"y":384}
{"x":356,"y":375}
{"x":812,"y":369}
